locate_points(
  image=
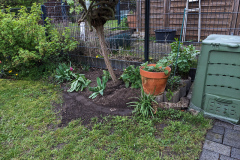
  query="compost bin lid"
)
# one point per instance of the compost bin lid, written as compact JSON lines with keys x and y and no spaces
{"x":224,"y":40}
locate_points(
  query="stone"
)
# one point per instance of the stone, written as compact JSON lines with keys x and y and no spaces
{"x":235,"y":153}
{"x":218,"y":129}
{"x":209,"y":155}
{"x":217,"y":147}
{"x":193,"y":111}
{"x":159,"y":98}
{"x":214,"y":137}
{"x":222,"y":157}
{"x":175,"y":97}
{"x":183,"y":91}
{"x":232,"y":138}
{"x":224,"y":124}
{"x":236,"y":127}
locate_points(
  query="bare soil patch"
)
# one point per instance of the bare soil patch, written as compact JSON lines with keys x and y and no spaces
{"x":114,"y":102}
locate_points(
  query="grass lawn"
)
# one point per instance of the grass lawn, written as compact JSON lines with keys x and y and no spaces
{"x":29,"y":130}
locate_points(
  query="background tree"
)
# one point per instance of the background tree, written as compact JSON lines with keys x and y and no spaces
{"x":18,"y":3}
{"x":97,"y":14}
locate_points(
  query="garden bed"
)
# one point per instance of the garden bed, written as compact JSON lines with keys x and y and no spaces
{"x":78,"y":105}
{"x":113,"y":102}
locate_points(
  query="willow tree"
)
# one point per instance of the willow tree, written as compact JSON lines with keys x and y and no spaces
{"x":96,"y":15}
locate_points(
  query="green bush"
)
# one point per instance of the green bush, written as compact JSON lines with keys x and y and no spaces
{"x":24,"y":43}
{"x":131,"y":76}
{"x":186,"y":58}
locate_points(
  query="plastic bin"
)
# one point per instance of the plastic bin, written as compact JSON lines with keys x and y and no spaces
{"x":217,"y":83}
{"x":165,"y":35}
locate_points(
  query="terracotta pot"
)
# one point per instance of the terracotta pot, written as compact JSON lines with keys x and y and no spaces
{"x":131,"y":19}
{"x":154,"y":82}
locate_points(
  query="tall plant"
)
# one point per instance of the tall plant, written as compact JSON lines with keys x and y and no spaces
{"x":97,"y":14}
{"x":23,"y":41}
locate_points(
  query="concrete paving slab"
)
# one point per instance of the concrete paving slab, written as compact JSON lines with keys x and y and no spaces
{"x":222,"y":157}
{"x":236,"y":127}
{"x":232,"y":138}
{"x":218,"y":129}
{"x":214,"y":137}
{"x":209,"y":155}
{"x":223,"y":124}
{"x":235,"y":153}
{"x":217,"y":147}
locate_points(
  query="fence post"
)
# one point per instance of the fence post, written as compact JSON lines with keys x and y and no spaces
{"x":118,"y":12}
{"x":146,"y":44}
{"x":44,"y":14}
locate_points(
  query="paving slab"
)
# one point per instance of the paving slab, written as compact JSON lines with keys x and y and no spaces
{"x":218,"y":129}
{"x":232,"y":138}
{"x":236,"y":127}
{"x":222,"y":157}
{"x":217,"y":147}
{"x":235,"y":153}
{"x":209,"y":155}
{"x":214,"y":137}
{"x":223,"y":124}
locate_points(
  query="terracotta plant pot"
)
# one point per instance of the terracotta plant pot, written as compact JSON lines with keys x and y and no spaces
{"x":131,"y":19}
{"x":154,"y":82}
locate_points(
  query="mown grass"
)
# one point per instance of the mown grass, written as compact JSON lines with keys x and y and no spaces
{"x":28,"y":130}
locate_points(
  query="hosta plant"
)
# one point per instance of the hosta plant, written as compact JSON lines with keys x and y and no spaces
{"x":100,"y":88}
{"x":80,"y":83}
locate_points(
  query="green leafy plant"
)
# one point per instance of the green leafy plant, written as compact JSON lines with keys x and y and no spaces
{"x":144,"y":104}
{"x":100,"y":88}
{"x":186,"y":58}
{"x":24,"y":43}
{"x":159,"y":67}
{"x":64,"y":73}
{"x":169,"y":94}
{"x":173,"y":83}
{"x":131,"y":76}
{"x":106,"y":74}
{"x":80,"y":83}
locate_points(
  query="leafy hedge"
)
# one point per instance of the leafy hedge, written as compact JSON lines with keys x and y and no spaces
{"x":24,"y":42}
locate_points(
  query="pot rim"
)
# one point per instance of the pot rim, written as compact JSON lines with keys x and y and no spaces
{"x":148,"y":74}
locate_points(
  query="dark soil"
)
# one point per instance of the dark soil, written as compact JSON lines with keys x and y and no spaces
{"x":78,"y":105}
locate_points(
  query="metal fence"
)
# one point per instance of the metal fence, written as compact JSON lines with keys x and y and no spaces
{"x":143,"y":30}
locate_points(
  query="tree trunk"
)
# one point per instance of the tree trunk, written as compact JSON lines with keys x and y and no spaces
{"x":103,"y":45}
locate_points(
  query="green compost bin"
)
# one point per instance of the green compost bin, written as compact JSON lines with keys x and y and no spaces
{"x":216,"y":89}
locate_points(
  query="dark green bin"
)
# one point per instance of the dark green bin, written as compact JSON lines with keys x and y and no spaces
{"x":216,"y":89}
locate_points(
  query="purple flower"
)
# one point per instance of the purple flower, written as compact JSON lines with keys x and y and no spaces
{"x":71,"y":68}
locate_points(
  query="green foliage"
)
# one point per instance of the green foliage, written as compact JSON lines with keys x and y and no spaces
{"x":143,"y":106}
{"x":100,"y":88}
{"x":23,"y":41}
{"x":186,"y":58}
{"x":80,"y":83}
{"x":169,"y":94}
{"x":173,"y":83}
{"x":159,"y":67}
{"x":106,"y":74}
{"x":131,"y":76}
{"x":64,"y":73}
{"x":123,"y":24}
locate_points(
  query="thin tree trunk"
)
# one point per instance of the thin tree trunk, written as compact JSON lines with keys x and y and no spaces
{"x":103,"y":45}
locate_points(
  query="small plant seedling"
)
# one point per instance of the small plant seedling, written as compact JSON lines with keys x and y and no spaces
{"x":169,"y":94}
{"x":99,"y":89}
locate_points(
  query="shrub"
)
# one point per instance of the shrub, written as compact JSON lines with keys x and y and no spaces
{"x":131,"y":76}
{"x":24,"y":42}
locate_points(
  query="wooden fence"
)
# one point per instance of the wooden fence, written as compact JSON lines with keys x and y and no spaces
{"x":217,"y":17}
